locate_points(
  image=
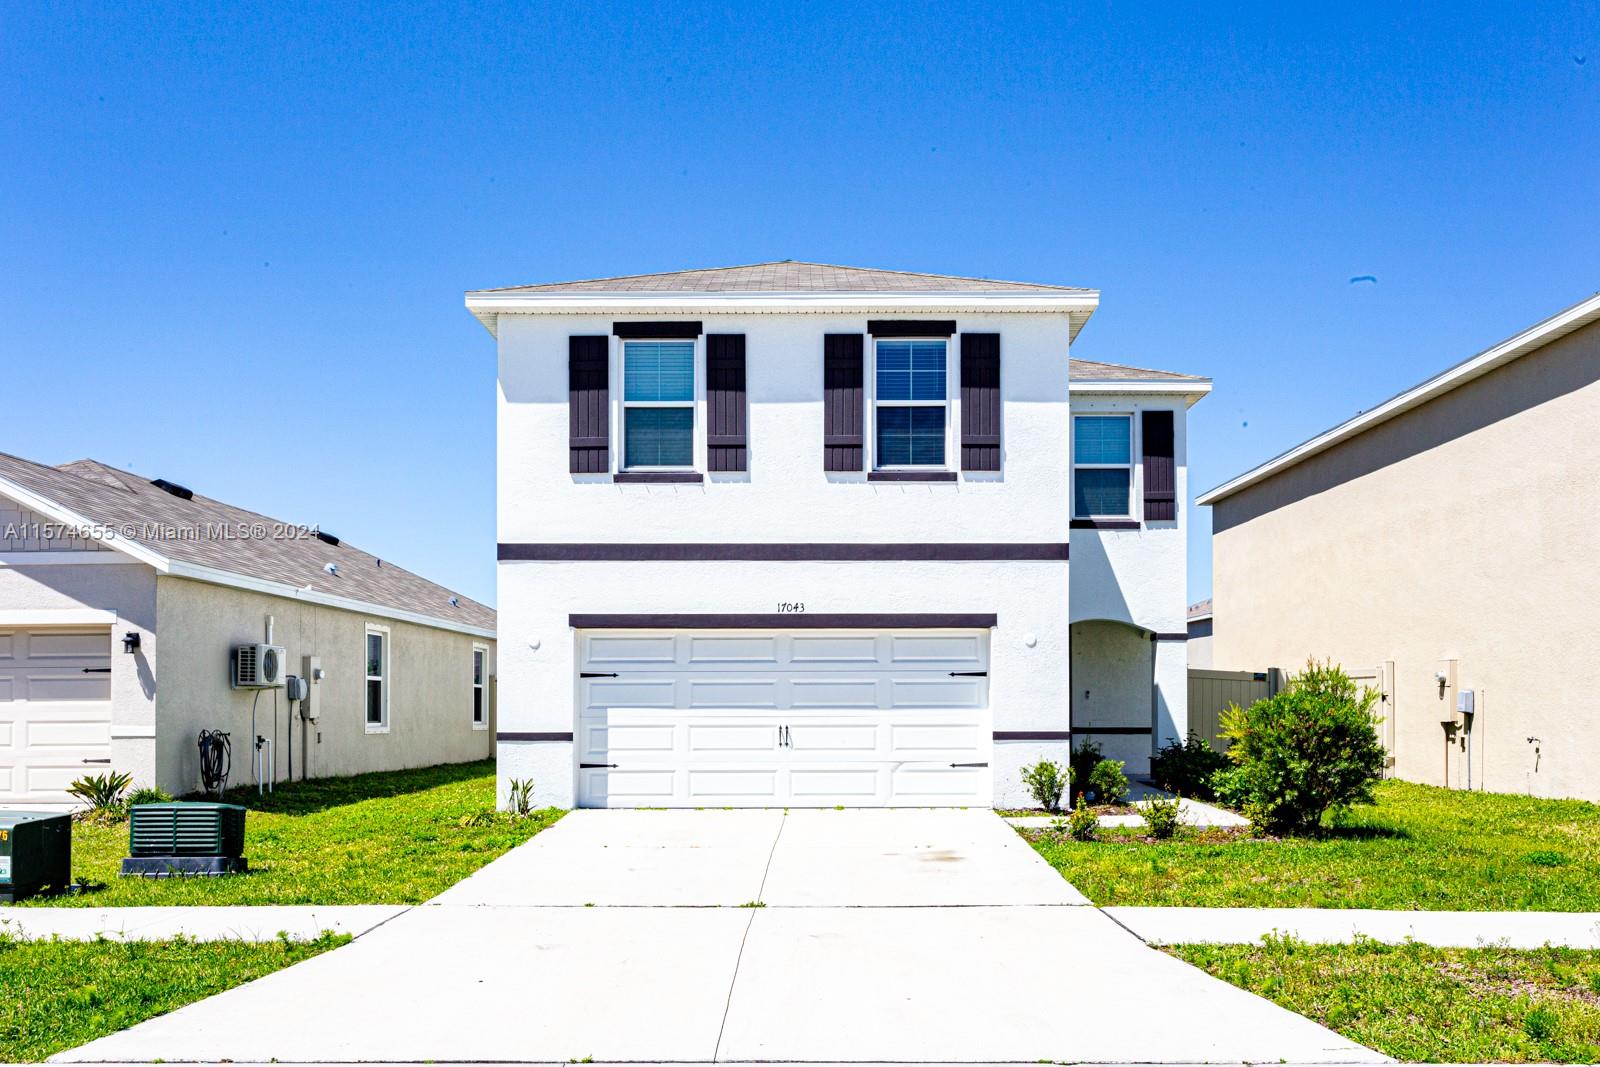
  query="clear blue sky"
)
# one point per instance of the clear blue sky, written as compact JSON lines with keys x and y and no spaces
{"x":234,"y":238}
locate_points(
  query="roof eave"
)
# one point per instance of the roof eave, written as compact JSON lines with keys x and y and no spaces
{"x":1192,"y":390}
{"x":1530,"y":340}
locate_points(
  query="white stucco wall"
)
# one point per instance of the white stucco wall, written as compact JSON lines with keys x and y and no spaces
{"x":128,"y":590}
{"x":430,"y":692}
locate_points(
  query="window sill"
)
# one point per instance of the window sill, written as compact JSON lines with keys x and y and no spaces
{"x":480,"y":726}
{"x":911,"y":476}
{"x":1104,"y":524}
{"x":625,"y":477}
{"x":372,"y":729}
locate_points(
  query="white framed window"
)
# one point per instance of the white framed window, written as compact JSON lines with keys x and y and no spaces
{"x":910,"y":403}
{"x":377,"y":651}
{"x":480,"y":687}
{"x":1102,"y":466}
{"x":658,"y":405}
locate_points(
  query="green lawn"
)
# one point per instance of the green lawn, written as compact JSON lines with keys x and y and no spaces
{"x":55,"y":995}
{"x":1484,"y":1005}
{"x":389,"y":838}
{"x":1419,"y":847}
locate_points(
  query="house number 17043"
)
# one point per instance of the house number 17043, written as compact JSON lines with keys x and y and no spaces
{"x":791,"y":608}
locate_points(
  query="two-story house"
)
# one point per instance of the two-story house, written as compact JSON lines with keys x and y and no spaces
{"x":798,"y":534}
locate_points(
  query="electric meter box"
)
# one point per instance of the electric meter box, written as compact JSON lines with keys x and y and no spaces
{"x":35,"y":852}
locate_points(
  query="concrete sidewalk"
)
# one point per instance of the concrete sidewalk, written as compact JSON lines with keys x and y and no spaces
{"x":240,"y":923}
{"x":1445,"y":929}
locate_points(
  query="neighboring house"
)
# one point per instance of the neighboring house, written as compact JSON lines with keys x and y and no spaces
{"x":122,"y":599}
{"x":797,"y":534}
{"x":1444,"y":542}
{"x":1200,"y":634}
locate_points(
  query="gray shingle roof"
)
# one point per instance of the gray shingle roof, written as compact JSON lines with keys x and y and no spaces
{"x":1090,"y":370}
{"x":787,"y":276}
{"x":106,"y":495}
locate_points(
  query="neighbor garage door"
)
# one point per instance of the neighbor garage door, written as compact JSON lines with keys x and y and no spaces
{"x":804,"y":718}
{"x":55,"y":712}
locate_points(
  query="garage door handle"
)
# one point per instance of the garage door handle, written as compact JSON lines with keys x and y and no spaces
{"x":597,"y":674}
{"x":106,"y":760}
{"x":593,"y":766}
{"x":969,"y":674}
{"x":97,"y":670}
{"x":969,"y":765}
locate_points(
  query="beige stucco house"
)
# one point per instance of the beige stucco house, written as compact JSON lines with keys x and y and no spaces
{"x":1445,"y":542}
{"x":123,"y":600}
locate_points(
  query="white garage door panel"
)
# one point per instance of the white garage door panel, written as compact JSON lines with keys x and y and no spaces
{"x":780,"y":718}
{"x":55,"y":712}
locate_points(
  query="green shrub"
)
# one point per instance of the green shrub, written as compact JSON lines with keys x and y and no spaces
{"x":1083,"y":761}
{"x":1107,"y":782}
{"x":1231,"y":788}
{"x":1082,"y":823}
{"x":149,"y":794}
{"x":1311,"y":748}
{"x":1046,"y":781}
{"x":102,"y":793}
{"x":520,"y":796}
{"x":1187,"y":768}
{"x":1161,"y":815}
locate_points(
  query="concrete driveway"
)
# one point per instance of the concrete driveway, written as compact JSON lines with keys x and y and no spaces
{"x":823,"y":936}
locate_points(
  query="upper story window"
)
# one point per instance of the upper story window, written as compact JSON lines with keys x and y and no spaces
{"x":910,"y":403}
{"x":658,"y":405}
{"x":1102,"y":466}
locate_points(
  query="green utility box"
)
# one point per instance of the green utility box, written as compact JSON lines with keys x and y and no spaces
{"x":185,"y":837}
{"x":35,"y":852}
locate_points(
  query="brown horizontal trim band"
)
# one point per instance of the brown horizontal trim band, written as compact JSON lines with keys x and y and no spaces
{"x":534,"y":736}
{"x":911,"y":476}
{"x":1033,"y":735}
{"x":1112,"y":730}
{"x":1169,"y":637}
{"x":1104,"y":524}
{"x":786,"y":621}
{"x":911,"y":327}
{"x":654,"y":330}
{"x":784,"y":553}
{"x":630,"y":477}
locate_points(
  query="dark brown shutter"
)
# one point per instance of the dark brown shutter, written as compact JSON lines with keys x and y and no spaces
{"x":980,"y":401}
{"x":588,"y":405}
{"x":1160,"y":467}
{"x":725,"y":402}
{"x":843,"y":420}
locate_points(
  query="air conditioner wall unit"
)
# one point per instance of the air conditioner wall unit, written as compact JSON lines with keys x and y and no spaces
{"x":259,"y":666}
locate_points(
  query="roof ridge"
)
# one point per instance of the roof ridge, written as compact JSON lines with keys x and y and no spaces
{"x":781,"y":262}
{"x":643,"y":274}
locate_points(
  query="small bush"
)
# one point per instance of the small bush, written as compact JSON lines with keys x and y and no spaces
{"x":1187,"y":769}
{"x":1161,"y":815}
{"x":1083,"y":761}
{"x":476,"y":820}
{"x":1540,"y":1024}
{"x":149,"y":794}
{"x":1107,"y":781}
{"x":102,"y":793}
{"x":1311,"y":748}
{"x":1231,"y":787}
{"x":520,"y":796}
{"x":1046,"y":781}
{"x":1082,"y":823}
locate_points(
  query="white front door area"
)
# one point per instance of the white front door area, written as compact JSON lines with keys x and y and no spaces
{"x":55,"y":712}
{"x":783,"y":718}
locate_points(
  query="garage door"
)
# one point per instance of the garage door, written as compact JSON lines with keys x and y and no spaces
{"x":55,"y":712}
{"x":805,"y":718}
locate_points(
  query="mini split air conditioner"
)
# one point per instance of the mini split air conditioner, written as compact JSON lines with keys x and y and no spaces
{"x":258,"y":666}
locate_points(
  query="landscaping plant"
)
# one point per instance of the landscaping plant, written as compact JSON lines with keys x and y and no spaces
{"x":103,"y":794}
{"x":1083,"y":761}
{"x":1161,"y":815}
{"x":1310,"y":748}
{"x":1082,"y":823}
{"x":1107,"y":782}
{"x":148,"y":795}
{"x":1046,"y":781}
{"x":520,"y":796}
{"x":1187,"y":768}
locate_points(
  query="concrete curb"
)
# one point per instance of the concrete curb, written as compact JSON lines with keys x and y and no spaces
{"x":202,"y":922}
